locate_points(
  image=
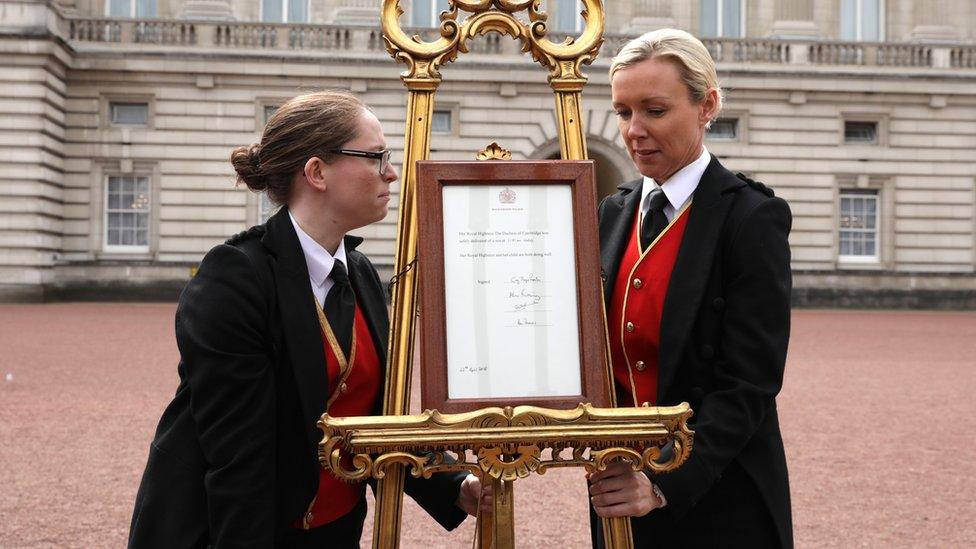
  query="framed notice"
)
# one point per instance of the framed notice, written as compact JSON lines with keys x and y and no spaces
{"x":511,"y":309}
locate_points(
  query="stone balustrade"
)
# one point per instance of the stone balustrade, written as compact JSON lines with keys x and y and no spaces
{"x":251,"y":36}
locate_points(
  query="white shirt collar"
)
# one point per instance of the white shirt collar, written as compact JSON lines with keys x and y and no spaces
{"x":318,"y":259}
{"x":679,"y":187}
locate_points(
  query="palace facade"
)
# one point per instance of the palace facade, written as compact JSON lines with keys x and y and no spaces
{"x":117,"y":118}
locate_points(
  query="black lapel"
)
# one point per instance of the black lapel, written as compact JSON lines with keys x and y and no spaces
{"x":299,"y":320}
{"x":693,"y":266}
{"x":369,"y":297}
{"x":616,"y":221}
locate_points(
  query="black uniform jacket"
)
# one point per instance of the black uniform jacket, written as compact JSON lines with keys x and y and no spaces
{"x":234,"y":460}
{"x":724,"y":333}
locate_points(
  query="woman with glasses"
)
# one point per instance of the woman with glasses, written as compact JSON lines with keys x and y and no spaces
{"x":282,"y":323}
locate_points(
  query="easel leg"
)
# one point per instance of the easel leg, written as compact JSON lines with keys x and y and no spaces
{"x":485,"y":536}
{"x":504,"y":511}
{"x":389,"y":500}
{"x":486,"y":529}
{"x":617,"y":533}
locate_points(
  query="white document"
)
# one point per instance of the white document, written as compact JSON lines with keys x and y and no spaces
{"x":510,"y":291}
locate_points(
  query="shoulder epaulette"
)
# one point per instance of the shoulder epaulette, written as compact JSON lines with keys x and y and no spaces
{"x":256,"y":231}
{"x":756,"y":185}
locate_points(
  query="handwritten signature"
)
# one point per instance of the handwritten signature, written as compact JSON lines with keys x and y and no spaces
{"x":534,"y":300}
{"x":528,"y":279}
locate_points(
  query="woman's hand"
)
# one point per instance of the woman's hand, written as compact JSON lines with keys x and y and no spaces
{"x":471,"y":492}
{"x":619,"y":491}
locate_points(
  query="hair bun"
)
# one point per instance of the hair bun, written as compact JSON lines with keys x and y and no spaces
{"x":247,"y":164}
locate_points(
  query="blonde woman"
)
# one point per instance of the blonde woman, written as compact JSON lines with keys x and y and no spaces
{"x":697,"y":288}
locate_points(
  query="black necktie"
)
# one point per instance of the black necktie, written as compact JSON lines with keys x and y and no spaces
{"x":340,"y":306}
{"x":654,"y":220}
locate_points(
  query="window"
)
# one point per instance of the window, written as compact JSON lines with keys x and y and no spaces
{"x":861,"y":133}
{"x":128,"y":114}
{"x":284,"y":11}
{"x":268,"y":111}
{"x":859,"y":225}
{"x":722,"y":18}
{"x":130,"y":8}
{"x":426,"y":13}
{"x":442,"y":121}
{"x":566,"y":16}
{"x":127,"y":207}
{"x":266,"y":208}
{"x":724,"y":129}
{"x":862,"y":20}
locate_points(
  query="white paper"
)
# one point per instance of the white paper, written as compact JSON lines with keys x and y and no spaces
{"x":510,"y":291}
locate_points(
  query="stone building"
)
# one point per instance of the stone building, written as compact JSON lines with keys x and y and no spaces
{"x":117,"y":118}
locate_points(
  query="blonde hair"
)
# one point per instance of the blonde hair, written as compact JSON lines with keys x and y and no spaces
{"x":694,"y":63}
{"x":303,"y":127}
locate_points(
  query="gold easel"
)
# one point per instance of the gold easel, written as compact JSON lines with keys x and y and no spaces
{"x":508,"y":442}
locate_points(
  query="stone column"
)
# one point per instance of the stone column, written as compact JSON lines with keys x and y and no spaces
{"x":933,"y":21}
{"x":794,"y":19}
{"x":651,"y":15}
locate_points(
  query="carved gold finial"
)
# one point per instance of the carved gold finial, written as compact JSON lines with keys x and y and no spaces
{"x":494,"y":152}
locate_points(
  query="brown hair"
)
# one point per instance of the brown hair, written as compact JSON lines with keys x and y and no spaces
{"x":303,"y":127}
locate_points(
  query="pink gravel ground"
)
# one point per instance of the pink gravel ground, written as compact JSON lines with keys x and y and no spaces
{"x":877,"y":414}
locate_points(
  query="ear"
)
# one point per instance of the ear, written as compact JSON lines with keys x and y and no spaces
{"x":316,"y":173}
{"x":708,"y":106}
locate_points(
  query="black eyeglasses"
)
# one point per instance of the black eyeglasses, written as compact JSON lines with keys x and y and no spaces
{"x":382,"y":156}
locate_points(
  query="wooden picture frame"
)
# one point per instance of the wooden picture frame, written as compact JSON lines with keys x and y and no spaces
{"x":507,"y":222}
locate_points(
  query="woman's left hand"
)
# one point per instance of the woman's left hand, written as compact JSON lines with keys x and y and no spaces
{"x":471,"y":492}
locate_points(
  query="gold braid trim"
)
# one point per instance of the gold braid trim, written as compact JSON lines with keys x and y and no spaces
{"x":345,"y":365}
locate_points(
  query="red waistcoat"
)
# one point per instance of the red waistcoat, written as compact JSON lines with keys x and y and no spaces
{"x":357,"y":397}
{"x":635,"y":312}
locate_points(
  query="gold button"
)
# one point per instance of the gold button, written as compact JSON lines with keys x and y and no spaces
{"x":343,"y":388}
{"x":640,"y":365}
{"x":638,"y":283}
{"x":630,"y":326}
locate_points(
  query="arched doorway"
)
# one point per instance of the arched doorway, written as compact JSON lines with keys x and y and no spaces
{"x":612,"y":164}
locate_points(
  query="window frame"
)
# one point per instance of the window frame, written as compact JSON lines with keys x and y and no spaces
{"x":722,"y":139}
{"x":578,"y":23}
{"x":105,"y":110}
{"x":284,"y":13}
{"x":719,"y":9}
{"x":874,"y":141}
{"x":132,"y":10}
{"x":879,"y":118}
{"x":113,"y":122}
{"x":859,"y":21}
{"x":883,"y":186}
{"x":433,"y":19}
{"x":260,"y":107}
{"x":847,"y":192}
{"x":124,"y":248}
{"x":455,"y":121}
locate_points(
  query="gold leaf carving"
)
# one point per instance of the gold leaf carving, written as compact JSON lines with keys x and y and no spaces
{"x":494,"y":152}
{"x":424,"y":59}
{"x":507,"y":442}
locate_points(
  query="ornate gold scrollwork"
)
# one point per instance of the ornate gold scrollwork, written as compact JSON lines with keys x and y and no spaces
{"x":508,"y":442}
{"x":424,"y":59}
